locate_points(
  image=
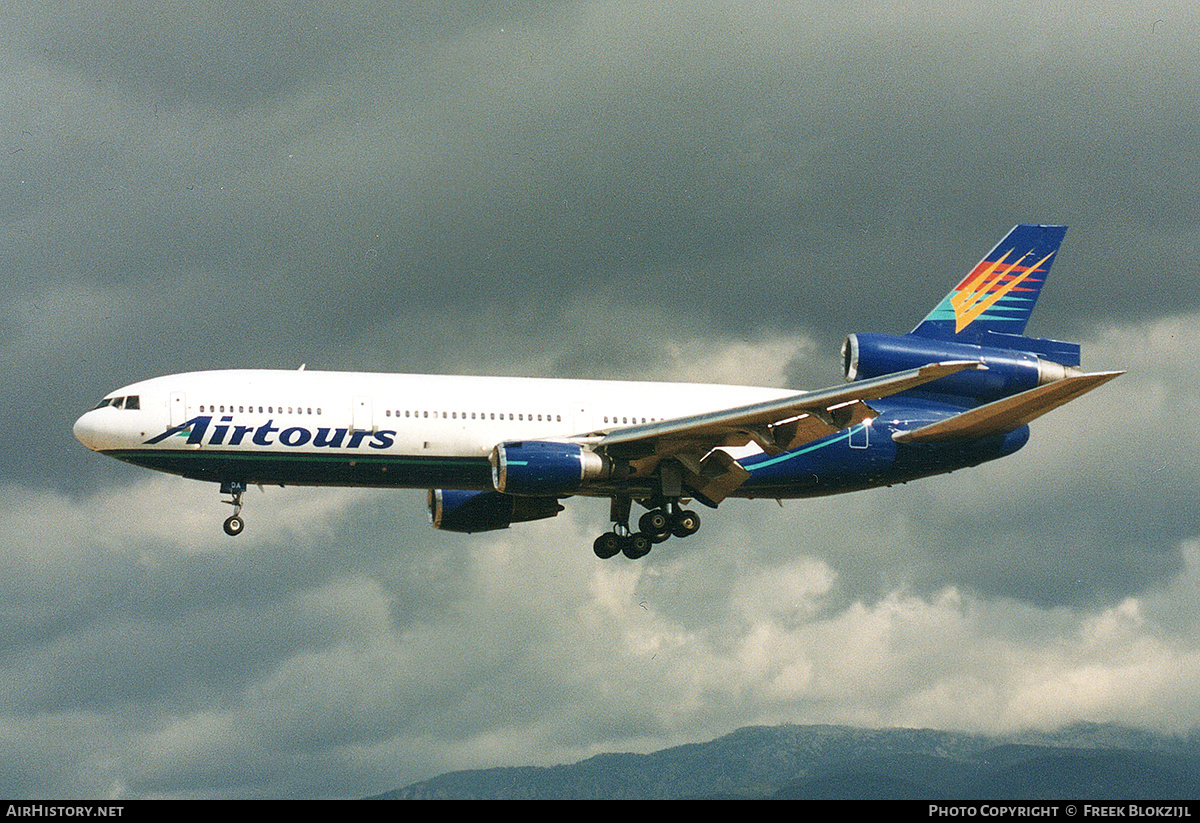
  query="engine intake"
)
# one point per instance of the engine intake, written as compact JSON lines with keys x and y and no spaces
{"x":540,"y":468}
{"x":454,"y":510}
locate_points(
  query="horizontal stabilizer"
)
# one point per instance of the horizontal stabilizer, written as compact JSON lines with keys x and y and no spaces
{"x":1008,"y":414}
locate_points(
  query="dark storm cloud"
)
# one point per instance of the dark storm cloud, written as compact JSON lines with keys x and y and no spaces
{"x":734,"y":166}
{"x":212,"y":53}
{"x":749,"y":166}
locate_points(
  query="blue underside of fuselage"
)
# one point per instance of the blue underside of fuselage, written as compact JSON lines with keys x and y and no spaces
{"x":851,"y":459}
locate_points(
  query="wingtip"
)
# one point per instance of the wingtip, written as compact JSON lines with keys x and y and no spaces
{"x":1103,"y":376}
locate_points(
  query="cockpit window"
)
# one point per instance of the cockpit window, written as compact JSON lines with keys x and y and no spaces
{"x":133,"y":401}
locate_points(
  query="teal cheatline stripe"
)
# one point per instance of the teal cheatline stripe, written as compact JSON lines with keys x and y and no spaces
{"x":341,"y":457}
{"x":820,"y":444}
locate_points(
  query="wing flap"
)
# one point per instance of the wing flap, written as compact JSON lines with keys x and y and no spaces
{"x":714,"y":478}
{"x":1009,"y":413}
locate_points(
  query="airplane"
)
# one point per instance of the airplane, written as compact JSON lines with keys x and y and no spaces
{"x":958,"y":390}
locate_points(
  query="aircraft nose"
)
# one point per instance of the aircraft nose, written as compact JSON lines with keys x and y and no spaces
{"x":86,"y":430}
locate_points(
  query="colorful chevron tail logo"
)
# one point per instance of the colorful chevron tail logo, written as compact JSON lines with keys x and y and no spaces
{"x":998,"y":295}
{"x":990,"y":282}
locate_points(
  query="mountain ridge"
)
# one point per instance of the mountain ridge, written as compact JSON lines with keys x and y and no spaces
{"x":829,"y":761}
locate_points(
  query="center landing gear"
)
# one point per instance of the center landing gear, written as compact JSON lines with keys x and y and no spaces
{"x":656,"y":526}
{"x":234,"y":524}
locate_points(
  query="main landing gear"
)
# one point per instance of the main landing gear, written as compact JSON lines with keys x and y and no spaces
{"x":234,"y":524}
{"x":655,"y":526}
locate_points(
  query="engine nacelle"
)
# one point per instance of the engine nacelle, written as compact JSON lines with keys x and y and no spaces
{"x":454,"y":510}
{"x":1008,"y":370}
{"x":539,"y":468}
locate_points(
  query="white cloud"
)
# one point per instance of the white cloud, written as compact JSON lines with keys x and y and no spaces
{"x":531,"y":650}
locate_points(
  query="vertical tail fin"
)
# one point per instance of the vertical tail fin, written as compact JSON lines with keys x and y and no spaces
{"x":998,"y":295}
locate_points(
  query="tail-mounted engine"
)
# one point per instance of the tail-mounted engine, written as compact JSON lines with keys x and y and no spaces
{"x":1008,"y":371}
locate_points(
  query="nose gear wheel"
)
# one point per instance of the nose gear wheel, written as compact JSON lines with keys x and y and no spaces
{"x":234,"y":524}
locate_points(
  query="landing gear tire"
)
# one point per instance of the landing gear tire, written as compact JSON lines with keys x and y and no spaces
{"x":610,"y":544}
{"x":234,"y":525}
{"x":655,"y":525}
{"x":637,"y":546}
{"x":653,"y":521}
{"x":685,"y":523}
{"x":607,"y":545}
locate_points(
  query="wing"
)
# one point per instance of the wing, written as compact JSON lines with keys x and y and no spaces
{"x":775,"y":426}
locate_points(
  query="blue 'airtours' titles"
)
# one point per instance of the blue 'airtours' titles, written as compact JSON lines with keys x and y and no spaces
{"x":293,"y":436}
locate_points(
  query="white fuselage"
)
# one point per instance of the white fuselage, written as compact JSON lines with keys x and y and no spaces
{"x":253,"y":415}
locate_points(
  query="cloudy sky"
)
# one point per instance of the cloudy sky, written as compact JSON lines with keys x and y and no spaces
{"x":671,"y":190}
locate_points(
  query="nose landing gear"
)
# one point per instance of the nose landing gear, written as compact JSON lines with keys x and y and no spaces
{"x":234,"y":524}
